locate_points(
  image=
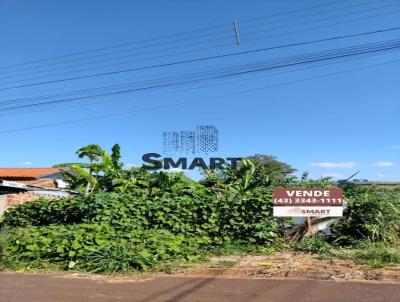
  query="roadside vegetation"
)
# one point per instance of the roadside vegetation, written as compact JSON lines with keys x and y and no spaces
{"x":128,"y":220}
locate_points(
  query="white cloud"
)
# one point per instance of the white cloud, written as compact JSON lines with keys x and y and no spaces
{"x":384,"y":164}
{"x":396,"y":147}
{"x":344,"y":165}
{"x":380,"y":175}
{"x":128,"y":166}
{"x":26,"y":163}
{"x":333,"y":175}
{"x":174,"y":170}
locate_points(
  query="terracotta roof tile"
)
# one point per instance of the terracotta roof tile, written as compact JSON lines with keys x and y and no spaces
{"x":26,"y":172}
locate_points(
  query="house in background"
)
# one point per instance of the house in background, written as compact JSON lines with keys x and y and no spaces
{"x":18,"y":185}
{"x":43,"y":177}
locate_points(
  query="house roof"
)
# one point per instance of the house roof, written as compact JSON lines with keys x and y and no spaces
{"x":11,"y":186}
{"x":27,"y":172}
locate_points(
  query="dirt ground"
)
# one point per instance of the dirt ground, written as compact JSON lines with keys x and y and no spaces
{"x":282,"y":265}
{"x":292,"y":265}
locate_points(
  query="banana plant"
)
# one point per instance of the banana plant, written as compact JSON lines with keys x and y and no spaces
{"x":91,"y":181}
{"x":101,"y":167}
{"x":244,"y":176}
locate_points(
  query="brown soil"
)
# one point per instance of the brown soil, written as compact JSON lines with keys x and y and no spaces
{"x":292,"y":265}
{"x":282,"y":265}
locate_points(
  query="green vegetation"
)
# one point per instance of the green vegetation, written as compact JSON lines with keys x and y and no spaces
{"x":372,"y":215}
{"x":224,"y":264}
{"x":312,"y":245}
{"x":369,"y":232}
{"x":99,"y":248}
{"x":376,"y":255}
{"x":132,"y":220}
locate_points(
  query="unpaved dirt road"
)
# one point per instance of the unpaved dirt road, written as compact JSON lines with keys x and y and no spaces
{"x":17,"y":287}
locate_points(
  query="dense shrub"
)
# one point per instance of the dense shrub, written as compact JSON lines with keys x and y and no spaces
{"x":372,"y":214}
{"x":46,"y":212}
{"x":111,"y":232}
{"x":100,"y":247}
{"x":230,"y":217}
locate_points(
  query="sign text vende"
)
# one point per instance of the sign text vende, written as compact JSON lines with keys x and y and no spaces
{"x":296,"y":202}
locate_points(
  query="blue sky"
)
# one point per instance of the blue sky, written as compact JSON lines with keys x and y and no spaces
{"x":329,"y":126}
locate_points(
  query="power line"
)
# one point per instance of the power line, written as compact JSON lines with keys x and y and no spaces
{"x":319,"y":20}
{"x":206,"y":58}
{"x":313,"y":14}
{"x":323,"y":64}
{"x":158,"y":50}
{"x":166,"y":36}
{"x":290,"y":12}
{"x":285,"y":33}
{"x":126,"y":56}
{"x":194,"y":101}
{"x":113,"y":46}
{"x":325,"y":26}
{"x":265,"y":66}
{"x":270,"y":63}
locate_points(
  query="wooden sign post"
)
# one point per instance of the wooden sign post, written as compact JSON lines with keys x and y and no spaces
{"x":309,"y":226}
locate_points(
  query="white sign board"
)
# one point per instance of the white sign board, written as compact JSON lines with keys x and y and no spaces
{"x":308,"y":202}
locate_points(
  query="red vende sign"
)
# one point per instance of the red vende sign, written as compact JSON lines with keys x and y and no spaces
{"x":308,"y":197}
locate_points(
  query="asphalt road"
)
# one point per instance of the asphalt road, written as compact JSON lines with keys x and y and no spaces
{"x":48,"y":288}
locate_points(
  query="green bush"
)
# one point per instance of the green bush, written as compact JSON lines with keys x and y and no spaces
{"x":46,"y":212}
{"x":312,"y":245}
{"x":224,"y":218}
{"x":370,"y":215}
{"x":111,"y":232}
{"x":57,"y":242}
{"x":121,"y":258}
{"x":99,"y":247}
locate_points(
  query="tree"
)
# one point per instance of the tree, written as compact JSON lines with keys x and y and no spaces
{"x":99,"y":172}
{"x":93,"y":152}
{"x":265,"y":170}
{"x":116,"y":156}
{"x":271,"y":165}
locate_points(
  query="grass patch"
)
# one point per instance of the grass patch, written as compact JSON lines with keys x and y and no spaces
{"x":224,"y":264}
{"x":312,"y":245}
{"x":2,"y":266}
{"x":376,"y":255}
{"x":245,"y":248}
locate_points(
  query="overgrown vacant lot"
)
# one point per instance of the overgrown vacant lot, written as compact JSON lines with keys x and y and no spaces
{"x":132,"y":220}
